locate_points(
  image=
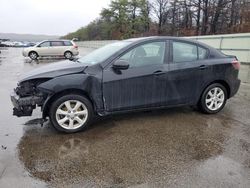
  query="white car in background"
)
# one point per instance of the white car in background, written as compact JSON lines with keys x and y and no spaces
{"x":46,"y":48}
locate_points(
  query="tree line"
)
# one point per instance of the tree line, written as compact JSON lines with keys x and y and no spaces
{"x":137,"y":18}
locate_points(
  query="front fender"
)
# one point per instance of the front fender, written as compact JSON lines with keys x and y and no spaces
{"x":88,"y":85}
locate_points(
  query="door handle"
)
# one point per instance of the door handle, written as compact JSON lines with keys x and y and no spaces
{"x":158,"y":72}
{"x":202,"y":67}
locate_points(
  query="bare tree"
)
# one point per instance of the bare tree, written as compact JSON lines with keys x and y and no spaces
{"x":220,"y":4}
{"x":160,"y":9}
{"x":131,"y":18}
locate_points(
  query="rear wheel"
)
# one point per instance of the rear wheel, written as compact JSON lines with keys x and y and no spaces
{"x":68,"y":55}
{"x":33,"y":55}
{"x":71,"y":113}
{"x":213,"y":99}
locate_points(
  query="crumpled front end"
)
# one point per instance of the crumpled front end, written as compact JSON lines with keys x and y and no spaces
{"x":25,"y":98}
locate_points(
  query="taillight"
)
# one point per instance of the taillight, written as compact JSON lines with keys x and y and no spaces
{"x":236,"y":64}
{"x":75,"y":46}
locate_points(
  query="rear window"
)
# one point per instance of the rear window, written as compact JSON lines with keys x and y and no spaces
{"x":67,"y":43}
{"x":57,"y":43}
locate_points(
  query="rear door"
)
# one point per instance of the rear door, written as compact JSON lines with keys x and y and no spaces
{"x":187,"y":72}
{"x":143,"y":84}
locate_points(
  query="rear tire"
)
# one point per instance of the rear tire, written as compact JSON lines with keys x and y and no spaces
{"x":71,"y":113}
{"x":68,"y":55}
{"x":33,"y":55}
{"x":213,"y":99}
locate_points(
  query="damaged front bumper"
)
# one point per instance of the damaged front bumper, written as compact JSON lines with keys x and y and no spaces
{"x":24,"y":106}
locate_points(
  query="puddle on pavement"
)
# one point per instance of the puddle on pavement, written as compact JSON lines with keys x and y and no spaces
{"x":205,"y":149}
{"x":123,"y":150}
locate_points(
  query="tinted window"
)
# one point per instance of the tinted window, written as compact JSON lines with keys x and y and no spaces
{"x":202,"y":52}
{"x":45,"y":44}
{"x":57,"y":43}
{"x":183,"y":52}
{"x":67,"y":43}
{"x":147,"y":54}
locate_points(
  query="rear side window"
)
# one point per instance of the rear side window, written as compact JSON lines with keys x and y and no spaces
{"x":57,"y":43}
{"x":67,"y":43}
{"x":202,"y":53}
{"x":183,"y":52}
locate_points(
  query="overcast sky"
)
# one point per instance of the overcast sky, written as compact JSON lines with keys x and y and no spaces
{"x":52,"y":17}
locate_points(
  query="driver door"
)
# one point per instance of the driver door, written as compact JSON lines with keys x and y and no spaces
{"x":143,"y":84}
{"x":44,"y":49}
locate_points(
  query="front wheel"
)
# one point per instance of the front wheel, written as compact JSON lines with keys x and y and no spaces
{"x":68,"y":55}
{"x":33,"y":55}
{"x":71,"y":113}
{"x":213,"y":99}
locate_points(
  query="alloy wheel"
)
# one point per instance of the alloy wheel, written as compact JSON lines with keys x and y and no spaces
{"x":33,"y":55}
{"x":215,"y":98}
{"x":68,"y":55}
{"x":71,"y":114}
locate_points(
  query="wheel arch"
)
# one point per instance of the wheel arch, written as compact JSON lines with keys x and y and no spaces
{"x":222,"y":82}
{"x":33,"y":51}
{"x":67,"y":51}
{"x":49,"y":101}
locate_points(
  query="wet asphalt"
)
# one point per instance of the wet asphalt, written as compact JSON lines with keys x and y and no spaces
{"x":177,"y":147}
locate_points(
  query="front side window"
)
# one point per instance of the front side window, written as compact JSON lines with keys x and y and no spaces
{"x":183,"y":52}
{"x":45,"y":44}
{"x":147,"y":54}
{"x":101,"y":54}
{"x":57,"y":43}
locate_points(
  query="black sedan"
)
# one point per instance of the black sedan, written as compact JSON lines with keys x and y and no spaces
{"x":130,"y":75}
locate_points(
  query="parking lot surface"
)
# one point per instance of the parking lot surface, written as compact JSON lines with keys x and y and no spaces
{"x":177,"y":147}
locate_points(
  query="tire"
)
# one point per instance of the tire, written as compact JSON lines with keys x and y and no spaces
{"x":68,"y":55}
{"x":211,"y":103}
{"x":71,"y":108}
{"x":33,"y":55}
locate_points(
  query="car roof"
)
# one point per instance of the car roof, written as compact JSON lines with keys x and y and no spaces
{"x":51,"y":40}
{"x":145,"y":39}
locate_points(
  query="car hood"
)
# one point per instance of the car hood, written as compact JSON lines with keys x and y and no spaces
{"x":28,"y":48}
{"x":54,"y":70}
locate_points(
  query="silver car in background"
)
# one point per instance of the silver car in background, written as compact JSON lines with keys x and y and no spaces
{"x":47,"y":48}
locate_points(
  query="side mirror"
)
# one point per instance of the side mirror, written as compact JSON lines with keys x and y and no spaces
{"x":121,"y":65}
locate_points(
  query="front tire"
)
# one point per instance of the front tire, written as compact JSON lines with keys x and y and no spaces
{"x":213,"y":99}
{"x":33,"y":55}
{"x":71,"y":113}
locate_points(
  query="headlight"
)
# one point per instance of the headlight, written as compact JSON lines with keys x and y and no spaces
{"x":28,"y":88}
{"x":25,"y":89}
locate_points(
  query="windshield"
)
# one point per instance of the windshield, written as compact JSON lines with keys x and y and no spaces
{"x":103,"y":53}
